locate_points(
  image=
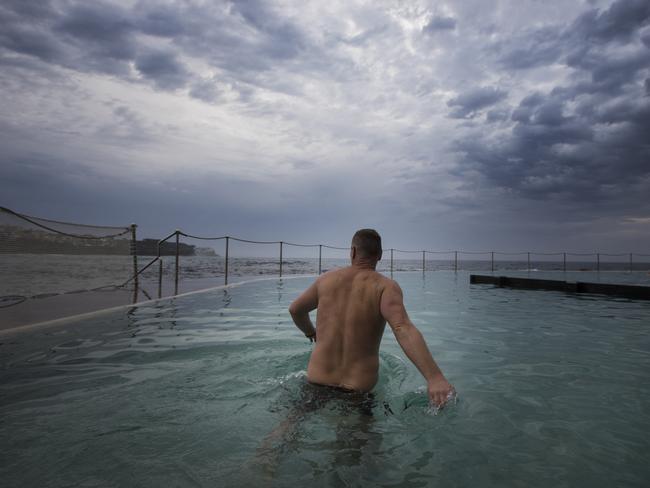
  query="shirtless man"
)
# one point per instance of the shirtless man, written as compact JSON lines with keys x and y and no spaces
{"x":354,"y":304}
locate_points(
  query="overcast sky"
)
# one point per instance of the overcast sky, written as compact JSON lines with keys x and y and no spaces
{"x":508,"y":125}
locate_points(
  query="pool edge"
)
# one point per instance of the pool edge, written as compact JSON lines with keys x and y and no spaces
{"x":81,"y":316}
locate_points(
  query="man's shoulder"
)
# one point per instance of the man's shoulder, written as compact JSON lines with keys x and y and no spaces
{"x":331,"y":273}
{"x":329,"y":276}
{"x":379,"y":281}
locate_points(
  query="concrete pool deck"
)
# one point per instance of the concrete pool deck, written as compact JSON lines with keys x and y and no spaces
{"x":636,"y":292}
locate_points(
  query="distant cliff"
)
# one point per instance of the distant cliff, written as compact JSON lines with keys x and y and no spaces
{"x":14,"y":239}
{"x":149,"y":247}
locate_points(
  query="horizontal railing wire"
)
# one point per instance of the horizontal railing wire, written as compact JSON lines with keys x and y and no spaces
{"x":300,"y":245}
{"x":455,"y":259}
{"x":253,"y":242}
{"x":32,"y":220}
{"x":24,"y":234}
{"x":202,"y":238}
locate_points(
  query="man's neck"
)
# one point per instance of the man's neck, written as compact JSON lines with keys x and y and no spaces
{"x":364,"y":264}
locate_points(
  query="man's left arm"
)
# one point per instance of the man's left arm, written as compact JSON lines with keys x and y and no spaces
{"x":300,"y":309}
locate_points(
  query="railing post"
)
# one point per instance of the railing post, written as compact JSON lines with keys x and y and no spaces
{"x":598,"y":262}
{"x":528,"y":261}
{"x":493,"y":261}
{"x":631,"y":262}
{"x":424,"y":266}
{"x":564,"y":261}
{"x":160,"y":272}
{"x":225,"y":279}
{"x":134,"y":253}
{"x":177,"y":260}
{"x":281,"y":259}
{"x":320,"y":256}
{"x":391,"y":261}
{"x":455,"y":261}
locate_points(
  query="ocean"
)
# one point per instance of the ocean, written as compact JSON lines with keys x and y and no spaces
{"x":32,"y":275}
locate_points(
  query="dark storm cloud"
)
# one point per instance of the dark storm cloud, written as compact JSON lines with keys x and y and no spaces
{"x":241,"y":38}
{"x":585,"y":142}
{"x":32,"y":37}
{"x":163,"y":68}
{"x":579,"y":40}
{"x":469,"y":103}
{"x":546,"y":102}
{"x":92,"y":37}
{"x":619,"y":22}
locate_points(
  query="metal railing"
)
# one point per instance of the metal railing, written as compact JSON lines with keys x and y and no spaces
{"x":456,"y":256}
{"x":100,"y":233}
{"x":25,"y":234}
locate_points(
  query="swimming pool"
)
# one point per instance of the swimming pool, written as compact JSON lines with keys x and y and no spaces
{"x":553,"y":391}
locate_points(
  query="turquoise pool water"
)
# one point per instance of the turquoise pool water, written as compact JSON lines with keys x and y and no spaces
{"x":553,"y":391}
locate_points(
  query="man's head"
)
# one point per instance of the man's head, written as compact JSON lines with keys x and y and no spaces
{"x":366,"y":245}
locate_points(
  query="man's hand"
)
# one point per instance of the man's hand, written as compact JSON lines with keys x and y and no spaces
{"x":312,"y":337}
{"x":439,"y":391}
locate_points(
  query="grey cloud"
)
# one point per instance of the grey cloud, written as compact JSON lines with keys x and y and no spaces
{"x":281,"y":39}
{"x":126,"y":127}
{"x":549,"y":155}
{"x":37,"y":10}
{"x":97,"y":22}
{"x":303,"y":165}
{"x":577,"y":147}
{"x":583,"y":143}
{"x":31,"y":42}
{"x":205,"y":90}
{"x":533,"y":48}
{"x":440,"y":23}
{"x":618,"y":22}
{"x":549,"y":44}
{"x":100,"y":37}
{"x":497,"y":115}
{"x":163,"y":68}
{"x":366,"y":36}
{"x":93,"y":37}
{"x":467,"y":104}
{"x":645,"y":38}
{"x":242,"y":39}
{"x":29,"y":38}
{"x":526,"y":107}
{"x":161,"y":20}
{"x":609,"y":71}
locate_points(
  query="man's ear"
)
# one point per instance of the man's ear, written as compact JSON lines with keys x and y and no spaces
{"x":379,"y":257}
{"x":353,"y":252}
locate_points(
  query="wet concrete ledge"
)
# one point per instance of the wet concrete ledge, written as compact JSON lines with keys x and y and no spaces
{"x":637,"y":292}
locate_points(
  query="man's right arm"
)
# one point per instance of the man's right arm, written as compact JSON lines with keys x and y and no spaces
{"x":411,"y":341}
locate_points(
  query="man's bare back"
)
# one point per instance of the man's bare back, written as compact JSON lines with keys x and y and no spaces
{"x":350,"y":328}
{"x":353,"y":305}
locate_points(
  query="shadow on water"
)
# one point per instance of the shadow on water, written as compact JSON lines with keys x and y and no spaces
{"x":338,"y":438}
{"x":305,"y":434}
